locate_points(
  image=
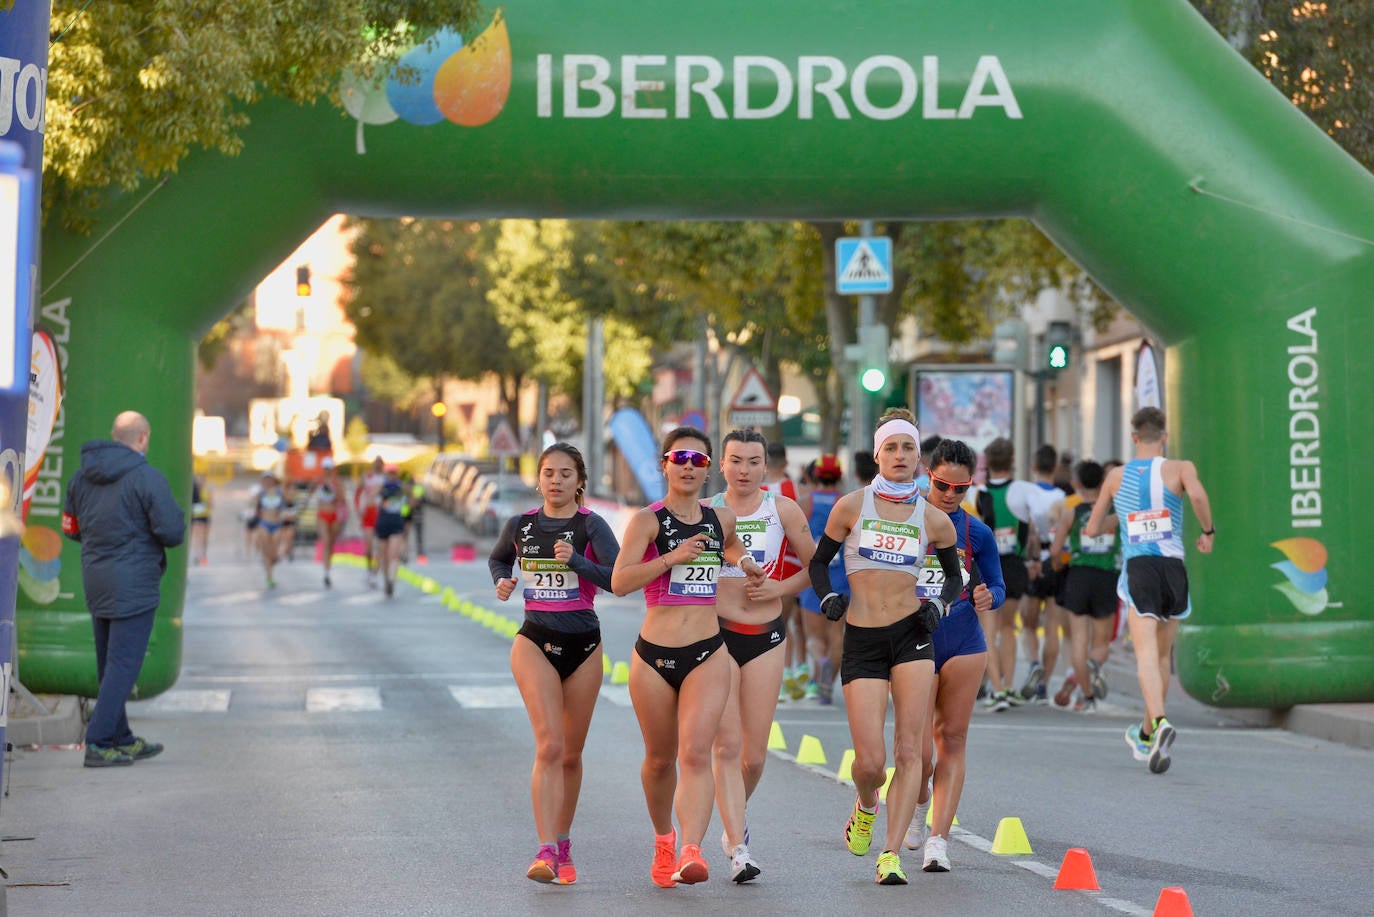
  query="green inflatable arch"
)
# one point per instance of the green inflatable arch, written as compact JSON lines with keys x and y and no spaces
{"x":1127,"y":129}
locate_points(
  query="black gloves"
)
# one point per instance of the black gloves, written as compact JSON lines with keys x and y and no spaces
{"x":835,"y":605}
{"x":930,"y":614}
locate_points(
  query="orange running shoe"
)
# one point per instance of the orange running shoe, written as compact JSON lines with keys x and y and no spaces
{"x":1065,"y":692}
{"x":665,"y":860}
{"x":691,"y":868}
{"x":545,"y":866}
{"x":567,"y":872}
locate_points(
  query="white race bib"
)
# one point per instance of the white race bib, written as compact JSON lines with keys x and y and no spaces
{"x":1006,"y":540}
{"x":1098,"y":544}
{"x":548,"y":580}
{"x":697,"y":579}
{"x":1147,"y":525}
{"x":931,"y":582}
{"x":897,"y":543}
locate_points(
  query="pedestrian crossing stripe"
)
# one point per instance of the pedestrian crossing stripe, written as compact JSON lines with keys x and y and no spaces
{"x":186,"y":700}
{"x":865,"y":265}
{"x":338,"y":700}
{"x":486,"y":697}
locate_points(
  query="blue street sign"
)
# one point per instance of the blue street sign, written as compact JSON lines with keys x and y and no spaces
{"x":863,"y":265}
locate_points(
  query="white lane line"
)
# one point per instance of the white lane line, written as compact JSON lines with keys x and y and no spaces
{"x":350,"y":676}
{"x":184,"y":700}
{"x":232,"y":598}
{"x":1040,"y":869}
{"x":366,"y":598}
{"x":300,"y":598}
{"x":338,"y":700}
{"x":486,"y":697}
{"x":984,"y":845}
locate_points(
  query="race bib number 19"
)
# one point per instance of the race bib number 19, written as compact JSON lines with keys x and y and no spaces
{"x":1147,"y":525}
{"x":697,"y":579}
{"x":896,"y":543}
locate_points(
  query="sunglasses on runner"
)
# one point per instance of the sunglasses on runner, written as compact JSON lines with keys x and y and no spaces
{"x":683,"y":456}
{"x":943,"y":485}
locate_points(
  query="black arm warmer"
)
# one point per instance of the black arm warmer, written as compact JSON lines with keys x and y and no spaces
{"x":954,"y":575}
{"x":819,"y":568}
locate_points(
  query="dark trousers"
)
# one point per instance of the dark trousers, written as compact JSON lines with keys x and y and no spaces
{"x":120,"y":645}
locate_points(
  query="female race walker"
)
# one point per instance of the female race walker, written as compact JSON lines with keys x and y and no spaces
{"x":679,"y":681}
{"x":390,"y":528}
{"x":269,"y":514}
{"x":751,"y":623}
{"x":331,"y":510}
{"x":565,"y":552}
{"x":961,"y":653}
{"x":824,"y":638}
{"x":886,"y":529}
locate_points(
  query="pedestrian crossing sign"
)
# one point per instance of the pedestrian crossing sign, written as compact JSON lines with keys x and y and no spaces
{"x":863,"y":265}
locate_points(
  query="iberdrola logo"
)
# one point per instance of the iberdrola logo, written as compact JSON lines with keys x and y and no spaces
{"x":437,"y":79}
{"x":1305,"y":569}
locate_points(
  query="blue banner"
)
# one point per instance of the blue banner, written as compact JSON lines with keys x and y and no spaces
{"x":636,"y":443}
{"x":23,"y":94}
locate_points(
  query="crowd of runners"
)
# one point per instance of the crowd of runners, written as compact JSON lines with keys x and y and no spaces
{"x":910,"y":591}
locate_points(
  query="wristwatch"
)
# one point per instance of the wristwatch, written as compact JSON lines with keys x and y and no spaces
{"x":1211,"y":531}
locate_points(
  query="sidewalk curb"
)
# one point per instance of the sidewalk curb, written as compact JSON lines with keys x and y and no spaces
{"x":63,"y":726}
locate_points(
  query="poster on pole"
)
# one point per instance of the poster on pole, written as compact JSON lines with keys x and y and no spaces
{"x":973,"y":403}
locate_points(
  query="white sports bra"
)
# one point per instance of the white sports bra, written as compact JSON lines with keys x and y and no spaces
{"x":875,"y":543}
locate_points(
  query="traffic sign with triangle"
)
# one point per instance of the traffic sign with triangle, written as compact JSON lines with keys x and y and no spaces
{"x":503,"y":441}
{"x":753,"y":394}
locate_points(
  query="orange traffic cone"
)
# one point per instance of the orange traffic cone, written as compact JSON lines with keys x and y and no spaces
{"x":1173,"y":902}
{"x":1076,"y":872}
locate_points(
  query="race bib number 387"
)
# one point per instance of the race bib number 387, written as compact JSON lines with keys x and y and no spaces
{"x":548,"y":580}
{"x":896,"y":543}
{"x":1148,"y":525}
{"x":697,"y":578}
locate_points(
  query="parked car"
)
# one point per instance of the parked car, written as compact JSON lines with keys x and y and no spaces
{"x":436,"y":477}
{"x":500,"y":499}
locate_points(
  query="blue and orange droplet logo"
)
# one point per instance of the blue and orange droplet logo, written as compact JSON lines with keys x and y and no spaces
{"x":1305,"y":570}
{"x":441,"y":78}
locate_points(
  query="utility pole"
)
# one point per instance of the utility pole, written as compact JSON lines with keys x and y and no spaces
{"x":593,"y":404}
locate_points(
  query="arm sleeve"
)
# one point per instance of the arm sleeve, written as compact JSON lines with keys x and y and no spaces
{"x":954,"y":575}
{"x":989,"y":564}
{"x":165,"y":518}
{"x":604,"y":548}
{"x":502,"y":559}
{"x":819,"y":568}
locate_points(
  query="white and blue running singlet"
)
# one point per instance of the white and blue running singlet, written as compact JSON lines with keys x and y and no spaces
{"x":1151,"y":515}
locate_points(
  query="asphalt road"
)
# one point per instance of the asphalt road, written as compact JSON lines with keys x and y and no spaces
{"x":335,"y":752}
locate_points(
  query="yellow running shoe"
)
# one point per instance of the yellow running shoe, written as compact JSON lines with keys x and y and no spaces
{"x":858,"y":831}
{"x":890,"y":869}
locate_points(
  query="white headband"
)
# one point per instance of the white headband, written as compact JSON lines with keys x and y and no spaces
{"x":892,"y":428}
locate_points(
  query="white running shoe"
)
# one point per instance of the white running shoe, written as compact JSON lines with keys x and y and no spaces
{"x":936,"y":855}
{"x":916,"y":831}
{"x":742,"y":865}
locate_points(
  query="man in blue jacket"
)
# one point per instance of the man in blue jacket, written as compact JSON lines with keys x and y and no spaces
{"x":122,"y":511}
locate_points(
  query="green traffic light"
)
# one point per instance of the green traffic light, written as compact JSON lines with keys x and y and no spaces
{"x":1059,"y":357}
{"x":873,"y":379}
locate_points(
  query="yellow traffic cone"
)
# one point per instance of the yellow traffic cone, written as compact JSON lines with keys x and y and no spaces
{"x":846,"y":771}
{"x":620,"y":673}
{"x":1010,"y":839}
{"x":605,"y":664}
{"x":809,"y":751}
{"x":775,"y":740}
{"x":930,"y":817}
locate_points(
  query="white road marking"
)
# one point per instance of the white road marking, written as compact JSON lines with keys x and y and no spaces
{"x":232,"y":598}
{"x":335,"y":700}
{"x":300,"y":598}
{"x":184,"y":700}
{"x":348,"y":676}
{"x":1040,"y":869}
{"x":486,"y":697}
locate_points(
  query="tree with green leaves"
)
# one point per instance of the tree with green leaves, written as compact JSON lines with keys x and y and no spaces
{"x":538,"y":270}
{"x":417,"y":294}
{"x":134,"y":87}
